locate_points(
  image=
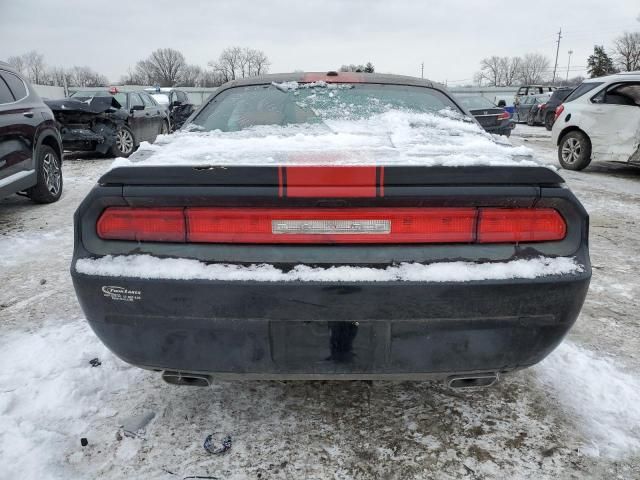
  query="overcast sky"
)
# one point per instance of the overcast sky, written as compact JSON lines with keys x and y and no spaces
{"x":451,"y":37}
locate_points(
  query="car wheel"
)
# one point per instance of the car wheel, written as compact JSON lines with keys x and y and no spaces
{"x":549,"y":119}
{"x":531,"y":119}
{"x":125,"y":143}
{"x":49,"y":186}
{"x":574,"y":151}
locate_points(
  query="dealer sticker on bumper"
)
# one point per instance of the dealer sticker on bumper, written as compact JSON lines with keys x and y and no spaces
{"x":121,"y":294}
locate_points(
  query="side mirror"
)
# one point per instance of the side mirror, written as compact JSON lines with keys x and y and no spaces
{"x":137,"y":107}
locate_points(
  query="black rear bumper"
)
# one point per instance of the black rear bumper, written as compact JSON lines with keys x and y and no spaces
{"x":333,"y":330}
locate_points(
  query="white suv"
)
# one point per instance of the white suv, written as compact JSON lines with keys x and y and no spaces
{"x":600,"y":120}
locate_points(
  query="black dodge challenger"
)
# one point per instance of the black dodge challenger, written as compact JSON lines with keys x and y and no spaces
{"x":331,"y":226}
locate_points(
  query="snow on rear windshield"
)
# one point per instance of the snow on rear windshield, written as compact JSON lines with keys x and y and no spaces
{"x":391,"y":138}
{"x":291,"y":103}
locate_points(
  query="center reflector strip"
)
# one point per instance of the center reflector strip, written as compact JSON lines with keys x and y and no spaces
{"x":327,"y":227}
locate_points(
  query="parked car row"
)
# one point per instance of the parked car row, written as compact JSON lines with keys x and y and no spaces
{"x":35,"y":133}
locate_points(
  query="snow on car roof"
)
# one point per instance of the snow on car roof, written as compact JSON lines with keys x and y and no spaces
{"x":391,"y":138}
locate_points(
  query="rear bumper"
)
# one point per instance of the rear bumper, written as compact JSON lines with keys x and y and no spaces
{"x":332,"y":330}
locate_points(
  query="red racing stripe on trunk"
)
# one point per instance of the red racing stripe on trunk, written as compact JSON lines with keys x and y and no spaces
{"x":280,"y":182}
{"x":331,"y":182}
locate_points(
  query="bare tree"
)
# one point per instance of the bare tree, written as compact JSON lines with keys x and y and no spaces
{"x":533,"y":68}
{"x":17,"y":62}
{"x":238,"y":62}
{"x":627,"y":51}
{"x":164,"y":67}
{"x":258,"y":62}
{"x":499,"y":71}
{"x":86,"y":77}
{"x":35,"y":67}
{"x":491,"y":70}
{"x":60,"y":77}
{"x":191,"y":75}
{"x":510,"y":70}
{"x":352,"y":67}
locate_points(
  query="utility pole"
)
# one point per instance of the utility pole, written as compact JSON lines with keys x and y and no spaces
{"x":569,"y":63}
{"x":422,"y":71}
{"x":557,"y":51}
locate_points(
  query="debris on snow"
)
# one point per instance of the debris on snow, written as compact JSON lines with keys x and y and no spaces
{"x":211,"y":446}
{"x":135,"y":425}
{"x":95,"y":362}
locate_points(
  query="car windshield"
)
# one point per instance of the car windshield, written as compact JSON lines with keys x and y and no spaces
{"x":293,"y":103}
{"x":161,"y":98}
{"x":476,"y":101}
{"x":120,"y":97}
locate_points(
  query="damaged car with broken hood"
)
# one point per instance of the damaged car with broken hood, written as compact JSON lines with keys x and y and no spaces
{"x":331,"y":226}
{"x":109,"y":121}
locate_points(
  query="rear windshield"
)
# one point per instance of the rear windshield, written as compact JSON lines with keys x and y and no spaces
{"x":582,"y":89}
{"x":476,"y":101}
{"x":120,"y":97}
{"x":292,"y":103}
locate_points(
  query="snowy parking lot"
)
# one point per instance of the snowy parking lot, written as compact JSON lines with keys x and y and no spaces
{"x":575,"y":415}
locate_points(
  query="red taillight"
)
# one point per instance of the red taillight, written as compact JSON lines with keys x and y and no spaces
{"x":354,"y":225}
{"x":142,"y":224}
{"x":559,"y":110}
{"x":327,"y":226}
{"x":504,"y":116}
{"x":497,"y":225}
{"x":113,"y":90}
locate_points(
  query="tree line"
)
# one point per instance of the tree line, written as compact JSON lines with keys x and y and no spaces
{"x":165,"y":67}
{"x":534,"y":68}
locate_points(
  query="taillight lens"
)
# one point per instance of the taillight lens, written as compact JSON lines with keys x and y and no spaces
{"x":142,"y":224}
{"x":331,"y":226}
{"x":559,"y":110}
{"x":496,"y":225}
{"x":504,"y":116}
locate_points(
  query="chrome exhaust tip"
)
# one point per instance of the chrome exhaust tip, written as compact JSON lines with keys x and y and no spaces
{"x":468,"y":382}
{"x":186,"y":379}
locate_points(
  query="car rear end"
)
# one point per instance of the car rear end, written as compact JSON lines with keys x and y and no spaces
{"x":321,"y":272}
{"x":494,"y":120}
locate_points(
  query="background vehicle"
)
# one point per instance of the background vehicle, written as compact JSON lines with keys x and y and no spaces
{"x":109,"y":121}
{"x":545,"y":113}
{"x":166,"y":258}
{"x":177,"y":103}
{"x":30,"y":145}
{"x":599,"y":120}
{"x":527,"y":90}
{"x":492,"y":118}
{"x":523,"y":108}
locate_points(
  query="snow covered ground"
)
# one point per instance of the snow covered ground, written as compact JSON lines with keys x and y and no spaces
{"x":576,"y":415}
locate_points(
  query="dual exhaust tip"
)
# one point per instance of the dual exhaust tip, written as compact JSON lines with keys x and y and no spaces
{"x":455,"y":382}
